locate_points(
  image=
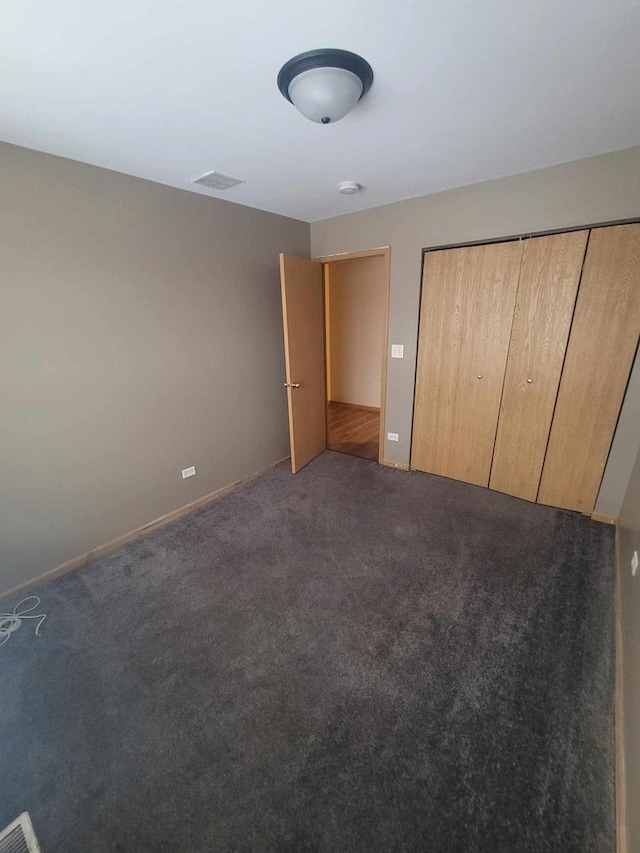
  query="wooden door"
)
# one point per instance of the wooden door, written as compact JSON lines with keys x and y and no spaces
{"x":601,"y":348}
{"x":468,"y":297}
{"x":549,"y":278}
{"x":303,"y":320}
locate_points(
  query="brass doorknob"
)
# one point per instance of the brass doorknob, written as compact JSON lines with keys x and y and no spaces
{"x":291,"y":384}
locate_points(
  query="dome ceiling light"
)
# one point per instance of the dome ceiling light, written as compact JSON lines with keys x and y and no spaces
{"x":326,"y":84}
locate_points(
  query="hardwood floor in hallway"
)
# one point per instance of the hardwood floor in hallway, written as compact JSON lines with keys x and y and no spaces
{"x":354,"y":430}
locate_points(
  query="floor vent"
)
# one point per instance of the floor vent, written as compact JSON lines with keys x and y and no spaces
{"x":19,"y":837}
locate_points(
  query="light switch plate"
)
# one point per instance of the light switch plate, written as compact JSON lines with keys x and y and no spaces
{"x":188,"y":472}
{"x":392,"y":436}
{"x":397,"y":350}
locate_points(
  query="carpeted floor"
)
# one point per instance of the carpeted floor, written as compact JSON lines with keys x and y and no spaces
{"x":351,"y":659}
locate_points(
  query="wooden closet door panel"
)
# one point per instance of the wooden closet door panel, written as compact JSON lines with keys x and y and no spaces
{"x":468,"y":297}
{"x":602,"y":345}
{"x":549,"y":278}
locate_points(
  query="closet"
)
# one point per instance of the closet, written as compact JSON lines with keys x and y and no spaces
{"x":468,"y":298}
{"x":524,"y":353}
{"x":549,"y":278}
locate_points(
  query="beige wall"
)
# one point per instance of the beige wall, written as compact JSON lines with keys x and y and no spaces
{"x":598,"y":189}
{"x":140,"y":333}
{"x":629,"y":540}
{"x":356,"y":316}
{"x":625,"y":447}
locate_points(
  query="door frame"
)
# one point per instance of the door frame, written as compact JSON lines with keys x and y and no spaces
{"x":526,"y":235}
{"x":384,"y":252}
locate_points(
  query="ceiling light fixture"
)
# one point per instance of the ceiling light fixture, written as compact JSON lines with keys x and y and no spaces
{"x":324,"y":85}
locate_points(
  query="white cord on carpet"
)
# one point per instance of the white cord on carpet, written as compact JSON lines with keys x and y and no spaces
{"x":10,"y":622}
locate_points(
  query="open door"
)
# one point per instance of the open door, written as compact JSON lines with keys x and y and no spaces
{"x":303,"y":320}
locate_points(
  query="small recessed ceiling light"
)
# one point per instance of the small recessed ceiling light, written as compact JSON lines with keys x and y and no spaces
{"x":326,"y":84}
{"x":349,"y":187}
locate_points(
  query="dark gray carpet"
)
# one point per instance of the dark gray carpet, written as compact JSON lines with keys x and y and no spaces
{"x":351,"y":659}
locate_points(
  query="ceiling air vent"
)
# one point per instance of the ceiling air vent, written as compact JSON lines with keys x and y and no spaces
{"x":19,"y":837}
{"x":217,"y":181}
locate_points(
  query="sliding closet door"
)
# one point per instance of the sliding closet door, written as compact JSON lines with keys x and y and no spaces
{"x":602,"y":345}
{"x":468,"y":298}
{"x":549,"y":278}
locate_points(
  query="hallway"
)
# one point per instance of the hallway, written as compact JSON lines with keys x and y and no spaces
{"x":353,"y":429}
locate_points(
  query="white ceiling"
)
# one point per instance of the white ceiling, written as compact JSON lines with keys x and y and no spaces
{"x":464,"y":91}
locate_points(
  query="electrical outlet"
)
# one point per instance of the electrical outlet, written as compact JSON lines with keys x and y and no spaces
{"x":634,"y":564}
{"x":188,"y":472}
{"x":392,"y":436}
{"x":397,"y":350}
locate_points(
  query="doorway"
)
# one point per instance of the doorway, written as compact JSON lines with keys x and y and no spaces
{"x":335,"y":319}
{"x":356,"y":305}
